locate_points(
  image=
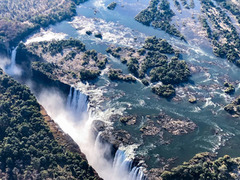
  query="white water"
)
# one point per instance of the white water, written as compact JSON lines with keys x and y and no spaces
{"x":118,"y":168}
{"x":12,"y":69}
{"x":77,"y":103}
{"x":45,"y":35}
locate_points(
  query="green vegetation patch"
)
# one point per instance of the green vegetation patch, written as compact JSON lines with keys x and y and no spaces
{"x":220,"y":29}
{"x":205,"y":166}
{"x":164,"y":90}
{"x":159,"y":15}
{"x":151,"y":65}
{"x":28,"y":149}
{"x":117,"y":74}
{"x":65,"y":60}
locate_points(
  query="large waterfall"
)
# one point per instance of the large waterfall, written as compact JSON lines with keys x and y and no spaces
{"x":119,"y":168}
{"x":77,"y":102}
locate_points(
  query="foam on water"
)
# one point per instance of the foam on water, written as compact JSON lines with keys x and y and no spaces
{"x":129,"y":150}
{"x":45,"y":35}
{"x":209,"y":102}
{"x":196,"y":109}
{"x":100,"y":4}
{"x":112,"y":33}
{"x":215,"y":141}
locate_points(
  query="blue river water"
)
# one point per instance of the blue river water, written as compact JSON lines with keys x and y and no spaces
{"x":217,"y":131}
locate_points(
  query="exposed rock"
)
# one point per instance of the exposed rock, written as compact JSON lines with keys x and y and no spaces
{"x":155,"y":174}
{"x":129,"y":120}
{"x":126,"y":119}
{"x":112,"y":6}
{"x":150,"y":129}
{"x":98,"y":126}
{"x":192,"y":99}
{"x":89,"y":33}
{"x":98,"y":35}
{"x":117,"y":137}
{"x":234,"y":107}
{"x":176,"y":126}
{"x":229,"y":88}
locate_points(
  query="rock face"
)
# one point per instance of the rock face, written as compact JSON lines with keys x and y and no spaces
{"x":112,"y":6}
{"x":234,"y":107}
{"x":117,"y":137}
{"x":192,"y":99}
{"x":98,"y":126}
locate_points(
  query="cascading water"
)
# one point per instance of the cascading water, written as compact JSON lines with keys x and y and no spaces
{"x":78,"y":103}
{"x":122,"y":164}
{"x":120,"y":167}
{"x":12,"y":69}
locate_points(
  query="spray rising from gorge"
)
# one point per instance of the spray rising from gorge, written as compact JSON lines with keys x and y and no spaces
{"x":75,"y":118}
{"x":117,"y":167}
{"x":12,"y":69}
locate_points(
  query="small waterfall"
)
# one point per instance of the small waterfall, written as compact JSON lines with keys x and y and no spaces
{"x":77,"y":102}
{"x":13,"y":58}
{"x":12,"y":69}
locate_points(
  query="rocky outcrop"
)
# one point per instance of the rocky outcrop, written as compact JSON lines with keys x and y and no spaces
{"x":176,"y":126}
{"x":167,"y":123}
{"x":117,"y":137}
{"x":234,"y":107}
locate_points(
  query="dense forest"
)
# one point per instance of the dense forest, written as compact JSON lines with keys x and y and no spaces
{"x":28,"y":148}
{"x":19,"y":18}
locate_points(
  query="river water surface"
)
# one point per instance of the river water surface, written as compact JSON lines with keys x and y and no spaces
{"x":217,"y":131}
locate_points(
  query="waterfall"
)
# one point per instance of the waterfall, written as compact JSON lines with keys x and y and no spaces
{"x":121,"y":167}
{"x":99,"y":153}
{"x":77,"y":102}
{"x":12,"y":69}
{"x":13,"y":58}
{"x":122,"y":164}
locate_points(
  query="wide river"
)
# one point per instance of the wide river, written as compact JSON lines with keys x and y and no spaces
{"x":217,"y":131}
